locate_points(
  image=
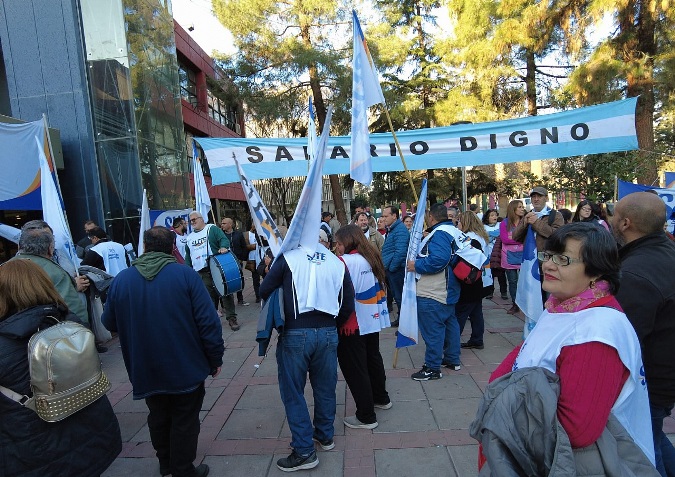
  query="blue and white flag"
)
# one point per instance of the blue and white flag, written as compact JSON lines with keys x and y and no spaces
{"x":304,"y":229}
{"x":265,"y":225}
{"x":10,"y":233}
{"x":52,"y":213}
{"x":311,"y":132}
{"x":407,"y":320}
{"x":146,"y":224}
{"x":366,"y":92}
{"x":528,"y":296}
{"x":202,"y":199}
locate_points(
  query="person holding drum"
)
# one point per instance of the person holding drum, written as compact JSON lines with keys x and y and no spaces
{"x":206,"y":241}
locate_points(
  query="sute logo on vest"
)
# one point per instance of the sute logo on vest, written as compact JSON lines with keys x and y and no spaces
{"x":197,"y":243}
{"x":318,"y":258}
{"x":112,"y":254}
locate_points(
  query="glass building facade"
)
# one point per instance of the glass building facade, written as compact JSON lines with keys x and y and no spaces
{"x":135,"y":96}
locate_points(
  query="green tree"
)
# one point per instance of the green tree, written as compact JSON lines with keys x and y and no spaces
{"x":287,"y":52}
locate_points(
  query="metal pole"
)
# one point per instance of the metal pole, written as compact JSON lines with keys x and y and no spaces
{"x":465,"y":204}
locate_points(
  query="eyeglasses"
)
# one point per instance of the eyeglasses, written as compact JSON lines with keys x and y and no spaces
{"x":192,"y":221}
{"x":558,"y":259}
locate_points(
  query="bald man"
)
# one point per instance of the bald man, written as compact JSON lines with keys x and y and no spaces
{"x":647,"y":295}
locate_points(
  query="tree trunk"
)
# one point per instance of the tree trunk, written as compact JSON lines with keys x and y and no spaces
{"x":638,"y":35}
{"x":530,"y":83}
{"x":320,"y":107}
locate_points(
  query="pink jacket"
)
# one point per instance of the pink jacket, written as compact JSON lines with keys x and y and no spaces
{"x":508,"y":245}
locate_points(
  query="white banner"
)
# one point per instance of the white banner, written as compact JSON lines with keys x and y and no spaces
{"x":607,"y":127}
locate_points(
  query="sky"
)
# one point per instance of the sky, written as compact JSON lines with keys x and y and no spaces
{"x":208,"y":32}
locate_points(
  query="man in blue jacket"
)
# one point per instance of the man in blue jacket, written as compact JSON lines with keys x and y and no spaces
{"x":394,"y":252}
{"x":437,"y":292}
{"x":171,"y":340}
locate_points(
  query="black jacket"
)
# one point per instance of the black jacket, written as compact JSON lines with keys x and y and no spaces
{"x":238,"y":244}
{"x":647,"y":296}
{"x":84,"y":444}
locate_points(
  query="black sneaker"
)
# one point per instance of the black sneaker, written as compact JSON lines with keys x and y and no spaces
{"x":453,"y":366}
{"x":426,"y":374}
{"x":297,"y":462}
{"x":325,"y":445}
{"x":202,"y":470}
{"x":470,"y":345}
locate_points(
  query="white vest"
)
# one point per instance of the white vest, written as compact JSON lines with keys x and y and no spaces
{"x":114,"y":256}
{"x":317,"y":280}
{"x":198,"y":243}
{"x":181,"y":243}
{"x":604,"y":325}
{"x":370,"y":300}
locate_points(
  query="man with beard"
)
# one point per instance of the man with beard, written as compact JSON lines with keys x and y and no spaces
{"x":362,"y":219}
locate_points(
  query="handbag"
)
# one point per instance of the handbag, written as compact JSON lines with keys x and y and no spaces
{"x":514,"y":258}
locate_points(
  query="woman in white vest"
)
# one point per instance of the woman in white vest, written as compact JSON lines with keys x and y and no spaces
{"x":359,"y":338}
{"x":584,"y":337}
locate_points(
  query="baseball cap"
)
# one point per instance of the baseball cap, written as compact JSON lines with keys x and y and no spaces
{"x":323,"y":237}
{"x":539,"y":190}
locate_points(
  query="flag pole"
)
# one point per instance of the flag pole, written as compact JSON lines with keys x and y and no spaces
{"x":400,"y":153}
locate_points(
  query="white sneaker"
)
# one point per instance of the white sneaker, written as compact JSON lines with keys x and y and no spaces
{"x":353,"y":423}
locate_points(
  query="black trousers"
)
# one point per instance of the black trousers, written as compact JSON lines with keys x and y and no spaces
{"x":362,"y":366}
{"x":174,"y":429}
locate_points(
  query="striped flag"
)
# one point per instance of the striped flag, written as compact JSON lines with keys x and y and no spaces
{"x":52,"y":213}
{"x":311,"y":132}
{"x":366,"y":92}
{"x":528,"y":296}
{"x":407,"y":325}
{"x":202,"y":199}
{"x":145,"y":222}
{"x":304,"y":230}
{"x":265,"y":225}
{"x":10,"y":233}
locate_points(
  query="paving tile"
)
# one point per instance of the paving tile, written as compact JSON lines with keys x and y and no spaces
{"x":404,"y":389}
{"x":261,"y":396}
{"x":131,"y":423}
{"x":465,"y":460}
{"x":233,"y":360}
{"x":253,"y":423}
{"x":451,"y":386}
{"x":413,"y":462}
{"x":454,"y":413}
{"x":126,"y":467}
{"x":252,"y":465}
{"x":406,"y":416}
{"x":129,"y":404}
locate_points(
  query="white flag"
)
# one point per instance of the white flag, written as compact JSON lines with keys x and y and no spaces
{"x":52,"y":213}
{"x":264,"y":223}
{"x":528,"y":297}
{"x":145,"y":222}
{"x":304,"y":230}
{"x":407,"y":324}
{"x":10,"y":233}
{"x":366,"y":92}
{"x":202,"y":200}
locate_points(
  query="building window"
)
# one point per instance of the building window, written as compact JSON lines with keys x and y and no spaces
{"x":188,"y":84}
{"x":223,"y":114}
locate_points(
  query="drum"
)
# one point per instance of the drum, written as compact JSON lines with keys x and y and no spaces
{"x":226,"y":273}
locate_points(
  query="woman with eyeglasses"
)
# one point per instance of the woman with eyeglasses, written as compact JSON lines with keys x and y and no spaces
{"x":585,"y":213}
{"x":584,"y":339}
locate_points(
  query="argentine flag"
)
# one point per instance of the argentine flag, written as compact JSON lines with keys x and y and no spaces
{"x":528,"y":296}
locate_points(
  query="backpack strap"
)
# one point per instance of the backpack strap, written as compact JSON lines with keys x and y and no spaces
{"x":14,"y":396}
{"x":551,"y":217}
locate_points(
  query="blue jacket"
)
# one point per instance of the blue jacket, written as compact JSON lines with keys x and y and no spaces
{"x":438,"y":256}
{"x":395,"y":247}
{"x":170,"y":334}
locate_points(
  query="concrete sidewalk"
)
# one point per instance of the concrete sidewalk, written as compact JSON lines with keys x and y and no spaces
{"x":244,"y":430}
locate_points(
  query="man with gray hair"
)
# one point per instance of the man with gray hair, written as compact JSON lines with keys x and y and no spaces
{"x":37,"y":245}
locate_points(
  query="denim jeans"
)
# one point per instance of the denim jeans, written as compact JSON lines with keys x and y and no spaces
{"x":440,"y":331}
{"x":474,"y":311}
{"x":395,"y":281}
{"x":300,"y":351}
{"x":512,"y":278}
{"x":663,"y":448}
